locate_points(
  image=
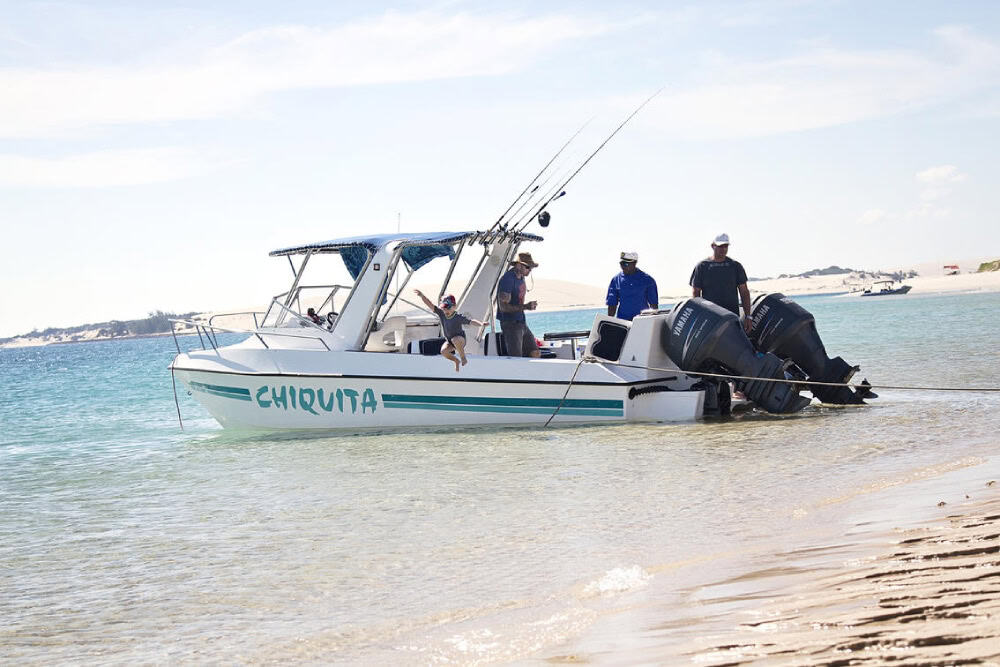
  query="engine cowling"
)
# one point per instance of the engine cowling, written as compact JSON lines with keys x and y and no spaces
{"x":784,"y":328}
{"x":701,"y":336}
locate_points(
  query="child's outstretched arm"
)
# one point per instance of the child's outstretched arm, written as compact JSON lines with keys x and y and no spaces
{"x":427,"y":301}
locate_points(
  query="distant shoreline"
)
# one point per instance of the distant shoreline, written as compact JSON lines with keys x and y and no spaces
{"x":111,"y":338}
{"x":556,"y":296}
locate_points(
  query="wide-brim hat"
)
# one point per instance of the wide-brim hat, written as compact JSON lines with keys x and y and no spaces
{"x":525,"y":258}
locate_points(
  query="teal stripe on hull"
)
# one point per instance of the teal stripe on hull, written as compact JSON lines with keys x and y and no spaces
{"x":550,"y":403}
{"x":239,"y":393}
{"x":581,"y":407}
{"x":585,"y":412}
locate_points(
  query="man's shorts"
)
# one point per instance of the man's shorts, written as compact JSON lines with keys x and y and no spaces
{"x":518,"y":338}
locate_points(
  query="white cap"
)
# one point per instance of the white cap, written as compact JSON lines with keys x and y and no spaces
{"x":630,"y":257}
{"x":721,"y":239}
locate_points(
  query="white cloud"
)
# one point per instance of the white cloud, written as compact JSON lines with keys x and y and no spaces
{"x":392,"y":48}
{"x":935,"y":187}
{"x":872,"y":216}
{"x":936,"y":182}
{"x":927,"y":209}
{"x":102,"y":168}
{"x":946,"y":173}
{"x":825,"y":86}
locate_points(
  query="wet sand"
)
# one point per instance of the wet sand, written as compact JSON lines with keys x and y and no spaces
{"x":932,"y":597}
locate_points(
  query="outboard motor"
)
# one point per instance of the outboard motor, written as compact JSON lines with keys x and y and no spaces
{"x":702,"y":336}
{"x":718,"y":400}
{"x":786,"y":329}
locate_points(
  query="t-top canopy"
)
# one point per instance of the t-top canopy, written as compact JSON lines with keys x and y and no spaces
{"x":378,"y":241}
{"x":418,"y":249}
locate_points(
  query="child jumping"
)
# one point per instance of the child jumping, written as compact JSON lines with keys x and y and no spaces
{"x":451,"y":324}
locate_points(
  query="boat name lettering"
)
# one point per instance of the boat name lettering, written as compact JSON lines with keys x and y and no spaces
{"x":316,"y":400}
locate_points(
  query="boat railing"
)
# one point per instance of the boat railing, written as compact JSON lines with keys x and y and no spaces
{"x":207,"y":331}
{"x":282,"y":299}
{"x":253,"y":313}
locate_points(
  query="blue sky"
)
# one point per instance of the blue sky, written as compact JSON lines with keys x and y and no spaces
{"x":151,"y":153}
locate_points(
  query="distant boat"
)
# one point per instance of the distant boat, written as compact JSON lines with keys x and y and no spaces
{"x":885,"y":288}
{"x":951,"y":269}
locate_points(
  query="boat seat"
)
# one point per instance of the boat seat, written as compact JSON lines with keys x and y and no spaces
{"x":428,"y":346}
{"x":607,"y":337}
{"x":390,"y":336}
{"x":493,"y":344}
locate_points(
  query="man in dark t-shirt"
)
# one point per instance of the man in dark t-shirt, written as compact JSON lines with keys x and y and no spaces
{"x":511,"y":306}
{"x":722,"y":280}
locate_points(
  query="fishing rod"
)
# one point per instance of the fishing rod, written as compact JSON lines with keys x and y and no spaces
{"x":554,"y":193}
{"x":530,"y":199}
{"x":503,"y":231}
{"x":537,"y":176}
{"x":561,"y":189}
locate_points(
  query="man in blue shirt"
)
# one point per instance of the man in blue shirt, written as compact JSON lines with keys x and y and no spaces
{"x":632,"y":290}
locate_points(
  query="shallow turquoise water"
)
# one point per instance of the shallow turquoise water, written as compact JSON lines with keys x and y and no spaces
{"x":124,"y":539}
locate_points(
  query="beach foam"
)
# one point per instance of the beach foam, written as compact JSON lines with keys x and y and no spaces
{"x":618,"y":580}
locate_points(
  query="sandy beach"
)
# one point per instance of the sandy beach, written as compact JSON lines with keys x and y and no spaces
{"x":932,"y":596}
{"x":918,"y":587}
{"x":562,"y":295}
{"x":930,"y":284}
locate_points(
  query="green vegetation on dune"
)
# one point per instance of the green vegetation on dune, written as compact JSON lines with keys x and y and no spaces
{"x":157,"y":322}
{"x":989,"y":266}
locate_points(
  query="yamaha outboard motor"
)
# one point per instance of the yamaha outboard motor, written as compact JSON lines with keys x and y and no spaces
{"x":702,"y":336}
{"x":787,"y":330}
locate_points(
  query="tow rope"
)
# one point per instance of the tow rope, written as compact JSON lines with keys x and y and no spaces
{"x":850,"y":385}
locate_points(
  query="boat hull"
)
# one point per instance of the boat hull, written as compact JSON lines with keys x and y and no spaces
{"x":899,"y":290}
{"x":359,"y":402}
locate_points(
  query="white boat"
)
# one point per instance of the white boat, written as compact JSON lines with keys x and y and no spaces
{"x":369,"y":367}
{"x":886,"y":288}
{"x":373,"y":364}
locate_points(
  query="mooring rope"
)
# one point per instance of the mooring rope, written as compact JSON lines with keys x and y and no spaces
{"x":850,"y":385}
{"x":176,"y":404}
{"x":568,"y":387}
